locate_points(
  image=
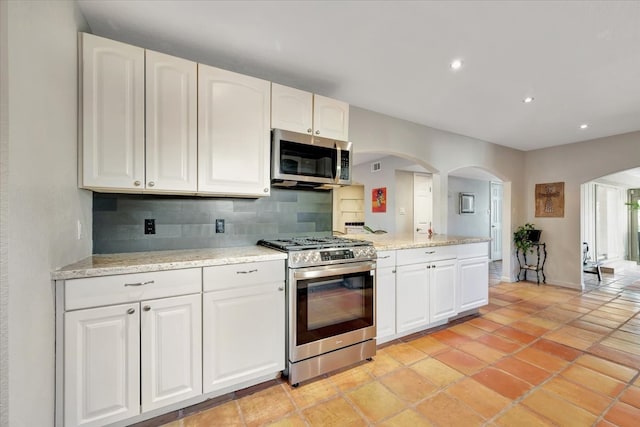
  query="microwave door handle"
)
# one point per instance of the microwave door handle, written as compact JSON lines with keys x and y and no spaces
{"x":338,"y":163}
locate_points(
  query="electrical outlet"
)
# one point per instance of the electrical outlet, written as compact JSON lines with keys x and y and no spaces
{"x":219,"y":225}
{"x":149,"y":226}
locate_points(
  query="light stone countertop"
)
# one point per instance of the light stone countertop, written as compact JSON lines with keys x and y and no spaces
{"x":140,"y":262}
{"x":387,"y":242}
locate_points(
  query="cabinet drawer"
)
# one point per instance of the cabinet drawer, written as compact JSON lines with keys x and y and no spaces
{"x":234,"y":275}
{"x":97,"y":291}
{"x":473,"y":250}
{"x":386,"y":259}
{"x":417,"y":255}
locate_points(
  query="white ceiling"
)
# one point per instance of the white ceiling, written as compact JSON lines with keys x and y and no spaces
{"x":580,"y":60}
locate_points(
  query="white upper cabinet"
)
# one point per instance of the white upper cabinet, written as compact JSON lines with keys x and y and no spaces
{"x":299,"y":111}
{"x":171,"y":124}
{"x":233,"y":133}
{"x":112,"y":149}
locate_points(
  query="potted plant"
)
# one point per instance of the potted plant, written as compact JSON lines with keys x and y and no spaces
{"x":525,"y":236}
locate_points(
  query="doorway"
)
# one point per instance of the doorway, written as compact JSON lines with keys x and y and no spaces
{"x":496,"y":221}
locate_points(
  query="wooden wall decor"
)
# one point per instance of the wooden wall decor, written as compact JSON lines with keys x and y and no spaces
{"x":550,"y":200}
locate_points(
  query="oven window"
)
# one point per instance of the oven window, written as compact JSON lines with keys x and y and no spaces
{"x":330,"y":306}
{"x":307,"y":160}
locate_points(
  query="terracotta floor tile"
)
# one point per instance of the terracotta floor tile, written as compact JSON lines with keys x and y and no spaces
{"x":570,"y":340}
{"x":484,"y":324}
{"x":501,"y":382}
{"x":437,"y":372}
{"x":499,"y":343}
{"x":312,"y":392}
{"x":376,"y":401}
{"x":265,"y":406}
{"x":334,"y":413}
{"x":559,"y":350}
{"x":523,"y":370}
{"x":589,"y":326}
{"x":558,"y":315}
{"x":622,"y":345}
{"x":482,"y":399}
{"x":522,"y":417}
{"x":558,"y":410}
{"x":450,"y":338}
{"x":593,"y":380}
{"x":529,"y":328}
{"x":605,"y":423}
{"x":405,"y":353}
{"x":623,"y":415}
{"x":512,"y":313}
{"x":607,"y":367}
{"x":511,"y":299}
{"x":494,"y":316}
{"x":408,"y":385}
{"x":631,"y":396}
{"x":406,"y":418}
{"x":481,"y":351}
{"x":599,"y":320}
{"x":429,"y":345}
{"x":515,"y":335}
{"x":290,"y":421}
{"x":467,"y":330}
{"x":625,"y":336}
{"x":541,"y":359}
{"x":614,"y":355}
{"x":227,"y":414}
{"x":461,"y":361}
{"x":578,"y":395}
{"x":444,"y":410}
{"x":382,"y":364}
{"x":351,"y":378}
{"x":529,"y":306}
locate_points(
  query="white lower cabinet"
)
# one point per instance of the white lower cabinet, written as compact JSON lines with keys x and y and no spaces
{"x":473,"y":281}
{"x":412,"y":297}
{"x":442,"y":290}
{"x":102,"y":365}
{"x":243,"y":324}
{"x":386,"y":297}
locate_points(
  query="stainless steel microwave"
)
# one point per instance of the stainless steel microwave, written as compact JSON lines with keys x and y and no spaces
{"x":301,"y":160}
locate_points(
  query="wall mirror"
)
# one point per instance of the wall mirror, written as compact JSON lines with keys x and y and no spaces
{"x":467,"y":203}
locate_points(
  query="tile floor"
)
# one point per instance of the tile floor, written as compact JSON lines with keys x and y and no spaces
{"x":535,"y":356}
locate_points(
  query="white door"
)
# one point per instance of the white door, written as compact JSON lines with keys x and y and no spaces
{"x":243,"y":335}
{"x":234,"y":143}
{"x":412,"y":297}
{"x":422,"y":203}
{"x":442,"y":290}
{"x":171,"y":123}
{"x":291,"y":109}
{"x":112,"y":114}
{"x":102,"y":365}
{"x":473,"y":283}
{"x":330,"y":118}
{"x":385,"y":304}
{"x":496,"y":221}
{"x":171,"y":341}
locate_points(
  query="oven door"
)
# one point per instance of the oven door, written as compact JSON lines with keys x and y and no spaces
{"x":330,"y":307}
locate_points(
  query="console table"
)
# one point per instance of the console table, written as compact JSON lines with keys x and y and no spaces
{"x":538,"y":256}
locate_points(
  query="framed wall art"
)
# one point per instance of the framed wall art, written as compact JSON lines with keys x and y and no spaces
{"x":467,"y":203}
{"x":379,"y":199}
{"x":550,"y":200}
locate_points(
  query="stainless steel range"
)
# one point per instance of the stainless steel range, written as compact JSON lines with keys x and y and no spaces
{"x":331,"y":304}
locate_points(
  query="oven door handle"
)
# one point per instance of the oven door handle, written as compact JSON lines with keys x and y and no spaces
{"x":333,"y":270}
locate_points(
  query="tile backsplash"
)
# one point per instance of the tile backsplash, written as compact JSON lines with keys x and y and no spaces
{"x":189,"y":222}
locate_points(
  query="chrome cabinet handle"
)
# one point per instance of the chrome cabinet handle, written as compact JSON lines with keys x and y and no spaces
{"x":430,"y":252}
{"x":151,"y":183}
{"x":140,"y":283}
{"x":393,"y":271}
{"x":317,"y":132}
{"x":131,"y":311}
{"x":146,"y":308}
{"x":247,"y":272}
{"x":281,"y":288}
{"x":266,"y":190}
{"x":309,"y":130}
{"x":384,"y":257}
{"x":136,"y":183}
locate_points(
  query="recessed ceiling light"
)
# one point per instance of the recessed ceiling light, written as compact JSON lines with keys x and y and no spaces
{"x":584,"y":126}
{"x":456,"y":64}
{"x":528,"y":99}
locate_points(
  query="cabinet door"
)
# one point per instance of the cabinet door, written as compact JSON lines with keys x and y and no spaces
{"x":442,"y":290}
{"x":473,"y":282}
{"x":291,"y":109}
{"x":112,"y":114}
{"x":233,"y":133}
{"x":385,"y":304}
{"x":102,"y":365}
{"x":171,"y":123}
{"x":412,"y":293}
{"x":330,"y":118}
{"x":243,"y":335}
{"x":171,"y":340}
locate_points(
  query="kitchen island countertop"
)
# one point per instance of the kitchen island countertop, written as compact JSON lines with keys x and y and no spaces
{"x":386,"y":242}
{"x":139,"y":262}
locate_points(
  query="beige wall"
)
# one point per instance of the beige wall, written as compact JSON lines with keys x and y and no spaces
{"x":42,"y":200}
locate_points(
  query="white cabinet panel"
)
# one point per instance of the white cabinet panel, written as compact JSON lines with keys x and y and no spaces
{"x":243,"y":334}
{"x":102,"y":362}
{"x":330,"y":118}
{"x":171,"y":341}
{"x":291,"y":109}
{"x":233,"y":133}
{"x":412,"y":293}
{"x":442,"y":290}
{"x":473,"y":281}
{"x":385,"y":304}
{"x":112,"y":114}
{"x":171,"y":124}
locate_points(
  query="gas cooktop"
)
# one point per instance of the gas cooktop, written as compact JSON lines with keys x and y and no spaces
{"x":302,"y":243}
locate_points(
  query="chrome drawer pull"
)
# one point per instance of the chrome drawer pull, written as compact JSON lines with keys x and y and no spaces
{"x":139,"y":283}
{"x":384,"y":257}
{"x":247,"y":272}
{"x":430,"y":252}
